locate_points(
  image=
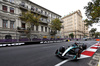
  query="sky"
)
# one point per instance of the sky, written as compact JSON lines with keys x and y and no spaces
{"x":64,"y":7}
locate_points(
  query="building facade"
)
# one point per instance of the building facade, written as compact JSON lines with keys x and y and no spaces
{"x":10,"y":10}
{"x":73,"y":24}
{"x":86,"y":30}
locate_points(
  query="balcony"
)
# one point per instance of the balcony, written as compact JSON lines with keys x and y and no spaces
{"x":61,"y":21}
{"x":35,"y":32}
{"x":20,"y":29}
{"x":43,"y":21}
{"x":5,"y":0}
{"x":23,"y":6}
{"x":39,"y":13}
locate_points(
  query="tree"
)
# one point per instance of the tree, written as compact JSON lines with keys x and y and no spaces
{"x":92,"y":32}
{"x":55,"y":25}
{"x":31,"y":20}
{"x":92,"y":12}
{"x":71,"y":35}
{"x":97,"y":34}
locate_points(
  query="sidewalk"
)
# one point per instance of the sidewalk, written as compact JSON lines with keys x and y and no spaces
{"x":99,"y":57}
{"x":95,"y":60}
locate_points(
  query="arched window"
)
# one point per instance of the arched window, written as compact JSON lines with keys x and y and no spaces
{"x":8,"y":37}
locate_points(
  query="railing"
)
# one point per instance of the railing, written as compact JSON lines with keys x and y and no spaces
{"x":23,"y":6}
{"x":44,"y":21}
{"x":5,"y":0}
{"x":38,"y":12}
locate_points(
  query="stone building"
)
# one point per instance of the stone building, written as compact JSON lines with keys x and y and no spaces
{"x":10,"y":10}
{"x":73,"y":24}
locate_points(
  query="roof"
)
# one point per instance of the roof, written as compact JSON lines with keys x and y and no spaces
{"x":78,"y":12}
{"x":43,"y":8}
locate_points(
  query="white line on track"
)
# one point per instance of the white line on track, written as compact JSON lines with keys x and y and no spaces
{"x":59,"y":64}
{"x":82,"y":56}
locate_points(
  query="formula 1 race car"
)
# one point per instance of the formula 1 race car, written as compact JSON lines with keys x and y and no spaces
{"x":72,"y":52}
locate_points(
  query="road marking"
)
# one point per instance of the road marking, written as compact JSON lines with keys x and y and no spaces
{"x":94,"y":50}
{"x":91,"y":50}
{"x":59,"y":64}
{"x":85,"y":54}
{"x":88,"y":53}
{"x":0,"y":45}
{"x":94,"y":47}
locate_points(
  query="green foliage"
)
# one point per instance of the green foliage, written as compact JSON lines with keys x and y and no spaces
{"x":92,"y":32}
{"x":55,"y":25}
{"x":97,"y":34}
{"x":92,"y":12}
{"x":30,"y":18}
{"x":71,"y":35}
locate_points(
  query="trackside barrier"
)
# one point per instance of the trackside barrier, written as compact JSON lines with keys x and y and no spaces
{"x":12,"y":44}
{"x":97,"y":39}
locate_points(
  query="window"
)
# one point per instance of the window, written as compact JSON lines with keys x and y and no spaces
{"x":5,"y":0}
{"x":12,"y":24}
{"x":11,"y":10}
{"x":23,"y":4}
{"x":86,"y":28}
{"x":32,"y":27}
{"x":23,"y":25}
{"x":45,"y":29}
{"x":45,"y":13}
{"x":32,"y":8}
{"x":42,"y":19}
{"x":42,"y":28}
{"x":49,"y":29}
{"x":4,"y":8}
{"x":41,"y":11}
{"x":12,"y":1}
{"x":36,"y":9}
{"x":36,"y":28}
{"x":5,"y":23}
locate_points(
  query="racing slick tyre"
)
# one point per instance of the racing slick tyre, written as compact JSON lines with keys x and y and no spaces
{"x":56,"y":51}
{"x":84,"y":46}
{"x":61,"y":49}
{"x":77,"y":54}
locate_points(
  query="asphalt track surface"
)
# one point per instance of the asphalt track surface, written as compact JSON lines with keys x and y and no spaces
{"x":38,"y":55}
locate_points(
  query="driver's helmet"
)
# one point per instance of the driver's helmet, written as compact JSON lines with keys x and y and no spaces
{"x":75,"y":44}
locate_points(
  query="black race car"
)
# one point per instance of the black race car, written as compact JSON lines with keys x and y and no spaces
{"x":72,"y":52}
